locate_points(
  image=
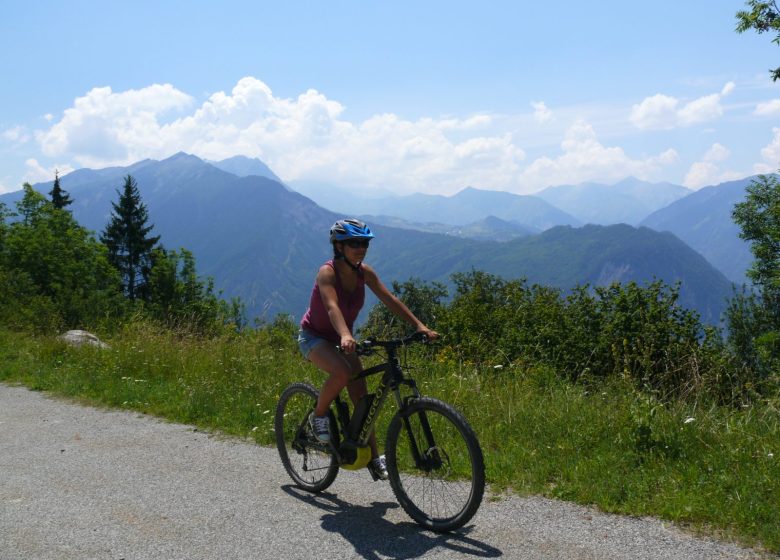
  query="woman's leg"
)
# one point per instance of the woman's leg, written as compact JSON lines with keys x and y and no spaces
{"x":340,"y":369}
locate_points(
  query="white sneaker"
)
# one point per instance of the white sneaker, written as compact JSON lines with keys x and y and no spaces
{"x":378,"y":468}
{"x":320,"y":426}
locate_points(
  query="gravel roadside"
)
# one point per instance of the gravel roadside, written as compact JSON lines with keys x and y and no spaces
{"x":79,"y":482}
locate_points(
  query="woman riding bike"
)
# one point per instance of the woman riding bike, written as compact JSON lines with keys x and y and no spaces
{"x":326,"y":337}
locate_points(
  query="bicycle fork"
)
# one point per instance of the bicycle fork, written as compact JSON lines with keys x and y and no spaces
{"x":425,"y":454}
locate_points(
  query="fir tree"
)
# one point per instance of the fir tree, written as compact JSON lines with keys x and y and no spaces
{"x":127,"y":238}
{"x":59,"y":198}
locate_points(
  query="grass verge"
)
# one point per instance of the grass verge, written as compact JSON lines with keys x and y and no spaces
{"x":714,"y":469}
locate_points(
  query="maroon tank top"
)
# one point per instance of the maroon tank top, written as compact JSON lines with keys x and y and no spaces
{"x":316,"y":319}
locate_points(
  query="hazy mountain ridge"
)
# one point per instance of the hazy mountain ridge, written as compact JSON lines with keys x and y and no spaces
{"x":489,"y":228}
{"x":242,"y":166}
{"x":629,"y":201}
{"x":467,"y":206}
{"x":264,"y":243}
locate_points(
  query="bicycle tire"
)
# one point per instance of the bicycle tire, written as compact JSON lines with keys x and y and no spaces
{"x":311,"y":468}
{"x":445,"y":489}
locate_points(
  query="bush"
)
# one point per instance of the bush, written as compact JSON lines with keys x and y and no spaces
{"x":638,"y":333}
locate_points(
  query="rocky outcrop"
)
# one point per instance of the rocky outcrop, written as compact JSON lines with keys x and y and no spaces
{"x":80,"y":338}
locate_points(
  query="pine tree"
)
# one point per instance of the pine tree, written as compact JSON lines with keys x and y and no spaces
{"x":59,"y":198}
{"x":127,"y":238}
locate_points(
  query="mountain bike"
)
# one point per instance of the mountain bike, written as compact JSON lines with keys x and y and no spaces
{"x":434,"y":460}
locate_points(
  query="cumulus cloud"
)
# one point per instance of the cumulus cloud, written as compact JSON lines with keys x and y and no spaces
{"x":308,"y":137}
{"x":768,"y":108}
{"x":303,"y":137}
{"x":584,"y":158}
{"x":771,"y":155}
{"x":718,"y":152}
{"x":541,"y":113}
{"x":660,"y":112}
{"x":104,"y":127}
{"x":708,"y":171}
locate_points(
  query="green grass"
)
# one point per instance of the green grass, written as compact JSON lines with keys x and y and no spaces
{"x":713,"y":469}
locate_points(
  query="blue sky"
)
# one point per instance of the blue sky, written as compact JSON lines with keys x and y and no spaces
{"x":407,"y":95}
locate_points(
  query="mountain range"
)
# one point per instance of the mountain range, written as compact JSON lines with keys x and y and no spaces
{"x":468,"y":206}
{"x":628,"y":202}
{"x":263,"y":241}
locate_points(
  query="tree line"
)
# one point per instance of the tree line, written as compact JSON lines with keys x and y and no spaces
{"x":56,"y":274}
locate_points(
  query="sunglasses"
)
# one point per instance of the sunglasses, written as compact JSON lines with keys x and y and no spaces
{"x":356,"y":243}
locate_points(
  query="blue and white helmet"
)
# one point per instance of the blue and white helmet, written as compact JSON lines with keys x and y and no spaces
{"x":350,"y":228}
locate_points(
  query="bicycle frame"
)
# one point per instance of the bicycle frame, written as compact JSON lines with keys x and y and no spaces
{"x":392,"y":379}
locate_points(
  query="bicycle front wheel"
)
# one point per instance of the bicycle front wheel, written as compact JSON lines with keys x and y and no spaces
{"x":435,"y":464}
{"x":304,"y":458}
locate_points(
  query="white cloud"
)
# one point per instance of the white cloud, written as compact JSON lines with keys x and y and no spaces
{"x":658,"y":111}
{"x":708,"y":171}
{"x":584,"y":158}
{"x":304,"y":137}
{"x":541,"y":113}
{"x":661,"y":112}
{"x":308,"y":137}
{"x":37,"y":173}
{"x":17,"y":134}
{"x":768,"y":108}
{"x":771,"y":155}
{"x":717,"y":152}
{"x":104,"y":127}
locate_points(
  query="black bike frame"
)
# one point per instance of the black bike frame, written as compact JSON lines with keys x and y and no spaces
{"x":392,"y":380}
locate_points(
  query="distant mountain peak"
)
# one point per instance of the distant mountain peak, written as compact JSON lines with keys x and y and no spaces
{"x":182,"y":156}
{"x":244,"y":166}
{"x":630,"y":180}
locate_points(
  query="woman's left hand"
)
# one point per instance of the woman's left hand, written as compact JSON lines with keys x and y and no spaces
{"x":430,"y":334}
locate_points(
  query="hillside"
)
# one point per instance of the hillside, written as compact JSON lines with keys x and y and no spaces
{"x":601,"y":255}
{"x":703,"y":220}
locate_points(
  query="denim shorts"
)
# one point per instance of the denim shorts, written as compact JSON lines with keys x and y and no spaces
{"x":307,"y":340}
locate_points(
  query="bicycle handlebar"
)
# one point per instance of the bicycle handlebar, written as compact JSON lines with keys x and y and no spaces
{"x":365,"y":346}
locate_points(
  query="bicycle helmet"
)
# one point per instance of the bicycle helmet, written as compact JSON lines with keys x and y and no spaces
{"x":350,"y":228}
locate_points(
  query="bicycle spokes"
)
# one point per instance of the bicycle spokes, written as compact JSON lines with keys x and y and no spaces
{"x":307,"y":461}
{"x":435,"y":464}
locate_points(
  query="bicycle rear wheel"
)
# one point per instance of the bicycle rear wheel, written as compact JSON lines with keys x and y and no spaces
{"x":435,"y":464}
{"x":304,"y":458}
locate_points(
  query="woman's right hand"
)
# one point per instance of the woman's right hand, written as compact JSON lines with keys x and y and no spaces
{"x":348,"y":344}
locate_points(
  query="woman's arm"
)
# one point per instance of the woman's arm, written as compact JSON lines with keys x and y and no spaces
{"x":326,"y":280}
{"x":395,"y":305}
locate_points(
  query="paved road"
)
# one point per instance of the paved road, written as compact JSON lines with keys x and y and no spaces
{"x":78,"y":482}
